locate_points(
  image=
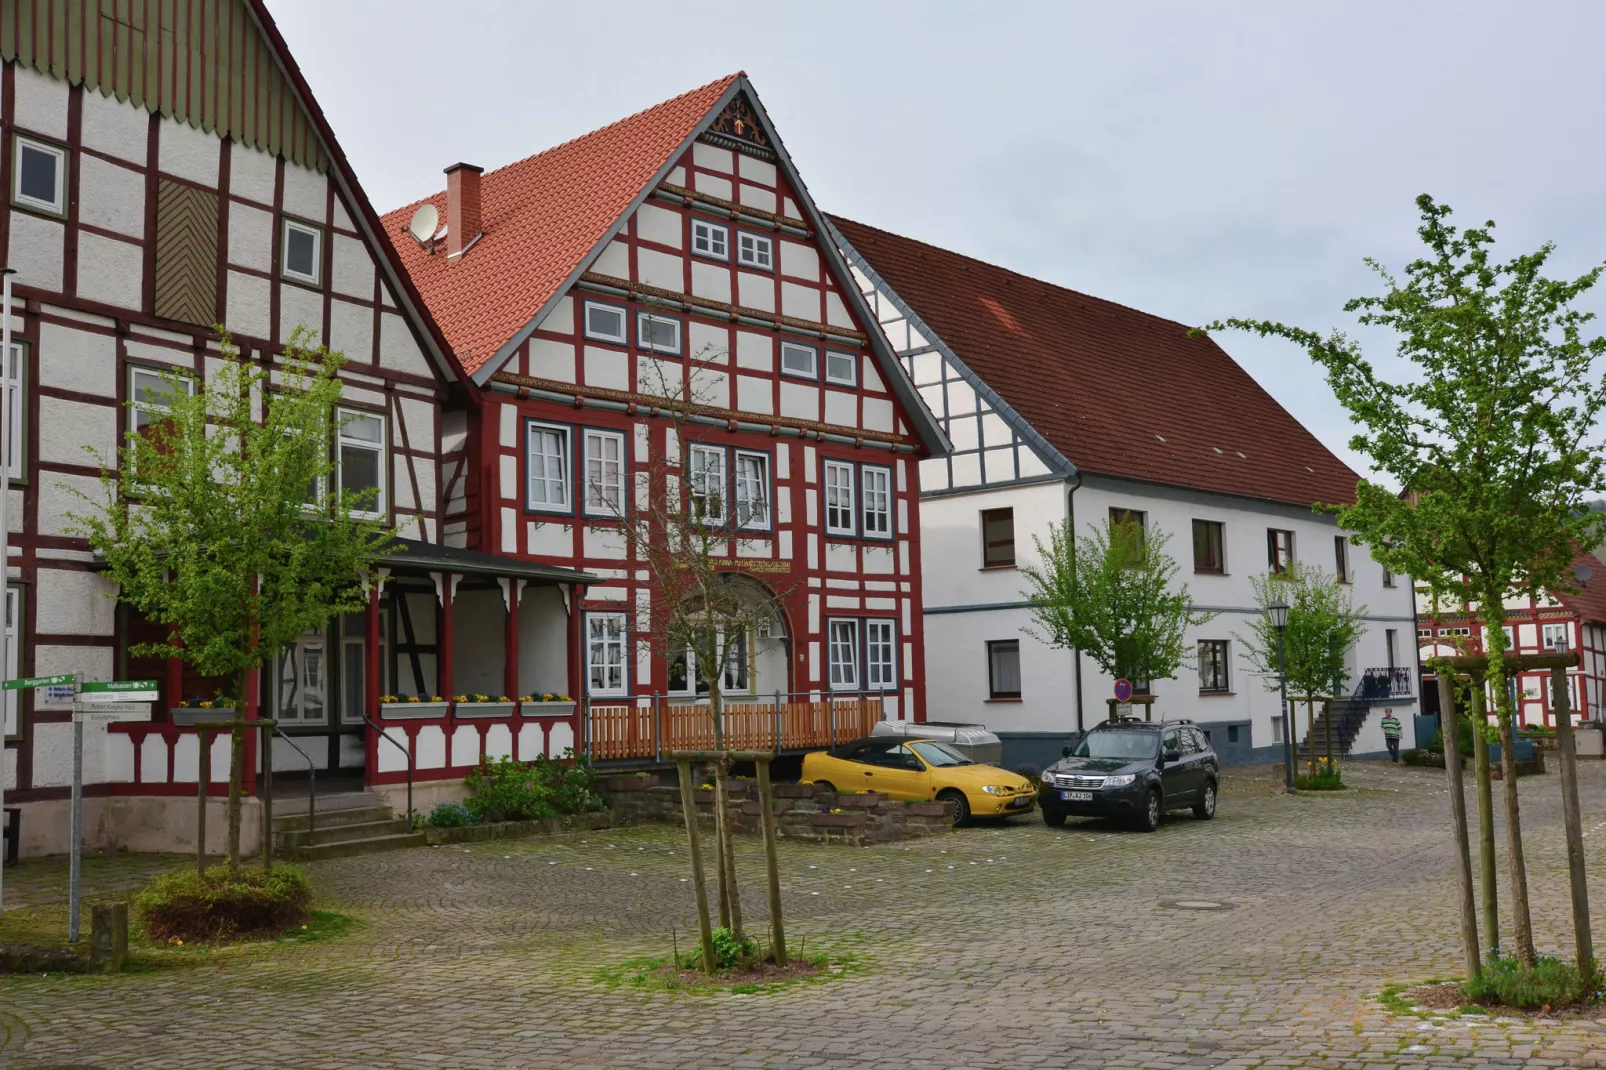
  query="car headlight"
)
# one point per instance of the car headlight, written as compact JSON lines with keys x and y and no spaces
{"x":997,"y":789}
{"x":1047,"y":777}
{"x":1119,"y":781}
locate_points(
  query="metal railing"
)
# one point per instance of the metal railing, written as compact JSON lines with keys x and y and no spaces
{"x":633,"y":728}
{"x":407,"y":752}
{"x":1380,"y":685}
{"x":312,"y":782}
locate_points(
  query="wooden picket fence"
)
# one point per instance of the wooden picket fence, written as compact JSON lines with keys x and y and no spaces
{"x":796,"y":722}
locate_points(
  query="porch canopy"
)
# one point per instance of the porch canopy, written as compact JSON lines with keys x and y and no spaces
{"x":419,"y":558}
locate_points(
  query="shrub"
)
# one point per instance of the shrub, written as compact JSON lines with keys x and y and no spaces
{"x":1463,"y":734}
{"x":729,"y":950}
{"x":1329,"y":776}
{"x":506,"y":790}
{"x":189,"y":906}
{"x":1414,"y":757}
{"x":450,"y":816}
{"x":1504,"y":982}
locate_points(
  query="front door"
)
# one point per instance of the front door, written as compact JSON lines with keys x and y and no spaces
{"x":301,"y":684}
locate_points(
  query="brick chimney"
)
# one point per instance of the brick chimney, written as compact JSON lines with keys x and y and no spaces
{"x":462,"y":207}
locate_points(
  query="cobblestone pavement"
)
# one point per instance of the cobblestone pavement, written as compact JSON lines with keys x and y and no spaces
{"x":1013,"y":946}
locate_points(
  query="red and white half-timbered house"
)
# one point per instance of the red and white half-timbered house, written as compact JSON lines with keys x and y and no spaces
{"x":167,"y":169}
{"x":577,"y":287}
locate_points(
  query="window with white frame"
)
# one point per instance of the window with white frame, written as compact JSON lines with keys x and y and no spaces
{"x":150,"y":395}
{"x":838,"y":498}
{"x":843,"y":649}
{"x":755,"y":250}
{"x":302,"y":255}
{"x":39,"y":176}
{"x":841,"y":368}
{"x":11,"y":417}
{"x":604,"y":323}
{"x":686,"y":679}
{"x":605,"y":473}
{"x":606,"y":644}
{"x":710,"y":239}
{"x":658,"y":332}
{"x":708,"y":484}
{"x":881,"y":655}
{"x":800,"y":360}
{"x":301,"y":684}
{"x":548,"y":468}
{"x":360,"y":461}
{"x":354,"y":665}
{"x":1555,"y":637}
{"x":875,"y":491}
{"x":13,"y":615}
{"x":752,"y":490}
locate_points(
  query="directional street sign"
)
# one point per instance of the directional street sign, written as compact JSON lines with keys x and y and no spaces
{"x":114,"y":685}
{"x":115,"y":711}
{"x":98,"y":698}
{"x":29,"y":682}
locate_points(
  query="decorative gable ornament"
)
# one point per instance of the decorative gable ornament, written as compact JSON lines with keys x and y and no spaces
{"x":739,"y":121}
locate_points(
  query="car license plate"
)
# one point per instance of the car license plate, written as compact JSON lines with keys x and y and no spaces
{"x":1076,"y":796}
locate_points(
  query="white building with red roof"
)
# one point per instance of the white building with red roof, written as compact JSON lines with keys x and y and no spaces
{"x":1065,"y":407}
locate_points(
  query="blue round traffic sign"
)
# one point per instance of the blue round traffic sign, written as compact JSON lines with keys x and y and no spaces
{"x":1123,"y":690}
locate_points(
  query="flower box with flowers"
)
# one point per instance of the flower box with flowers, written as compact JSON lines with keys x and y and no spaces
{"x":411,"y":707}
{"x":195,"y":710}
{"x":482,"y":706}
{"x":548,"y":704}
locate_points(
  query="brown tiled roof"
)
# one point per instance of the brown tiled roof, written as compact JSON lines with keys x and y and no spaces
{"x":1117,"y":391}
{"x":540,"y":217}
{"x":1589,"y":601}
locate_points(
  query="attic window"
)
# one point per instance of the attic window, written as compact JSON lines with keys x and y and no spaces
{"x":710,"y":239}
{"x":302,"y":252}
{"x":605,"y":323}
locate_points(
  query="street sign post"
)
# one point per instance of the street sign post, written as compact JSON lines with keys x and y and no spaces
{"x":75,"y":865}
{"x":27,"y":683}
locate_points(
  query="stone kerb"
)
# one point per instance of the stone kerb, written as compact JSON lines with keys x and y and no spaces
{"x":802,"y":811}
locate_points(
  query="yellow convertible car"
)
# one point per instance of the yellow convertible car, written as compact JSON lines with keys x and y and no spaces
{"x":921,"y":769}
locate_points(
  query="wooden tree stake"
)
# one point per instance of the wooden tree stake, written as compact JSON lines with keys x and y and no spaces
{"x":1458,"y":824}
{"x":1575,"y":832}
{"x":766,"y":799}
{"x":688,"y":805}
{"x":1488,"y":878}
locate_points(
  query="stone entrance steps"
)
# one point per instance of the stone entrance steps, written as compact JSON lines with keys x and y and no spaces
{"x":355,"y":823}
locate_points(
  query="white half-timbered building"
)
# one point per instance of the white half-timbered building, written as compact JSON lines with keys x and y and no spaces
{"x":1061,"y":406}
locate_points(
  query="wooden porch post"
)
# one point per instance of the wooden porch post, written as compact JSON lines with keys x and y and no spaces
{"x":512,"y":593}
{"x":446,"y":589}
{"x":577,"y":672}
{"x":370,"y":647}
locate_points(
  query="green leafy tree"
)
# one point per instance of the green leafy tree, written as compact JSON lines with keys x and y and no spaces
{"x":220,"y":518}
{"x":1490,"y":421}
{"x":1110,"y":595}
{"x":1323,"y":624}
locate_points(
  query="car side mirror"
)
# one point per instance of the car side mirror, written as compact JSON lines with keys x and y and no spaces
{"x":1065,"y":752}
{"x":1172,"y":756}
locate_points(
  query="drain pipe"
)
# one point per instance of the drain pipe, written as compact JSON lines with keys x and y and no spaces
{"x":1070,"y":521}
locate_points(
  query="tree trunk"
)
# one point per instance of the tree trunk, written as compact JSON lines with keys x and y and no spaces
{"x":1489,"y":880}
{"x":236,"y":780}
{"x":1522,"y":922}
{"x":688,"y":806}
{"x":1467,"y":910}
{"x":772,"y":866}
{"x":1575,"y":830}
{"x":1310,"y":732}
{"x":730,"y":908}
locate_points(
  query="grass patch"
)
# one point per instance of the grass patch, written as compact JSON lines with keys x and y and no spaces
{"x":146,"y":954}
{"x":188,"y":907}
{"x":1551,"y":983}
{"x":665,"y":975}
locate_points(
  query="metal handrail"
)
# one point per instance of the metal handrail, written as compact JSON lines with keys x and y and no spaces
{"x":406,"y":753}
{"x":312,"y":783}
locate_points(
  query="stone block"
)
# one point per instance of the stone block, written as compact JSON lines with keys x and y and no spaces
{"x":629,"y":783}
{"x":839,"y":821}
{"x":796,"y":791}
{"x":930,"y":809}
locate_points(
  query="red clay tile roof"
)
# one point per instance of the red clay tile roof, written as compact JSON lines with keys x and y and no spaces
{"x":1589,"y":601}
{"x":1117,"y":391}
{"x":541,"y":216}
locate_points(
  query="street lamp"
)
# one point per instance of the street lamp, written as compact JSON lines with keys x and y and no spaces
{"x":1278,"y":612}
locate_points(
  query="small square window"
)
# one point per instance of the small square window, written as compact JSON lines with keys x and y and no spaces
{"x":755,"y":250}
{"x":605,"y":323}
{"x":710,"y":239}
{"x":39,"y":176}
{"x":302,"y":254}
{"x":657,"y":332}
{"x":800,"y":360}
{"x":841,"y":368}
{"x":998,"y":538}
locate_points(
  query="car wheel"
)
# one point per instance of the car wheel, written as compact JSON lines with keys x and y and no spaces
{"x":1206,"y":809}
{"x":1149,"y":818}
{"x":1054,"y":818}
{"x":825,"y":785}
{"x":961,"y":805}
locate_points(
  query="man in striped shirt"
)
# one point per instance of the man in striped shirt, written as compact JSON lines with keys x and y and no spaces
{"x":1391,"y":733}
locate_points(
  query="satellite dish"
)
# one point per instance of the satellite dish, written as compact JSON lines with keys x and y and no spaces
{"x":1582,"y":573}
{"x":424,"y":223}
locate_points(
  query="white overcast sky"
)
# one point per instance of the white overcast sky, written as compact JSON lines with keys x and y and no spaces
{"x":1191,"y":160}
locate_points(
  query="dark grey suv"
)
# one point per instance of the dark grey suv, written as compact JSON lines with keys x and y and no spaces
{"x":1135,"y":771}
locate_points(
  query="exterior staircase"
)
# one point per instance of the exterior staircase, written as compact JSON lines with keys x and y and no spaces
{"x":1347,"y":715}
{"x":353,"y":823}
